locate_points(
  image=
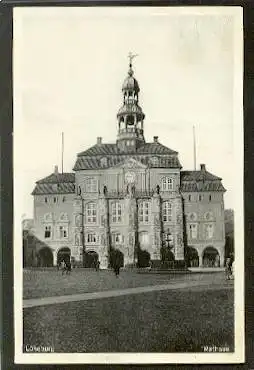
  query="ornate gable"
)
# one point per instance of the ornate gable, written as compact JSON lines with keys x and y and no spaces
{"x":130,"y":163}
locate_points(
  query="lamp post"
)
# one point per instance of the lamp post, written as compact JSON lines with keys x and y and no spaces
{"x":169,"y":242}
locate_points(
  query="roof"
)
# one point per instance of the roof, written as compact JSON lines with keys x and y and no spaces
{"x":198,"y":176}
{"x":56,"y":183}
{"x":85,"y":163}
{"x":58,"y":178}
{"x":196,"y":181}
{"x":109,"y":149}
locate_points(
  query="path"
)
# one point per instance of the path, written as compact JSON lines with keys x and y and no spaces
{"x":27,"y":303}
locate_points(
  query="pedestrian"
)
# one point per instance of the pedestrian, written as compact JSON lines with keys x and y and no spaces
{"x":97,"y":265}
{"x":228,"y":268}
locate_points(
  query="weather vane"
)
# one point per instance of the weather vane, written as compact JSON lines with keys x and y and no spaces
{"x":131,"y":57}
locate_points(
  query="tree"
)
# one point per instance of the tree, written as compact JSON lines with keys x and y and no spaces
{"x":229,"y":232}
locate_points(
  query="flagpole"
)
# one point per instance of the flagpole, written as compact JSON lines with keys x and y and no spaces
{"x":62,"y":150}
{"x":194,"y":148}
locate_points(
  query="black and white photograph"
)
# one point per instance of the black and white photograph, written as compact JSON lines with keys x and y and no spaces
{"x":128,"y":185}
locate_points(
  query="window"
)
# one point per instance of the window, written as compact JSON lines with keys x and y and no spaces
{"x":167,"y":184}
{"x":104,"y":162}
{"x":47,"y":233}
{"x":210,"y":198}
{"x":117,"y":238}
{"x":46,"y":200}
{"x":91,"y":238}
{"x":189,"y":198}
{"x":63,"y":232}
{"x":116,"y":212}
{"x":64,"y":199}
{"x":55,"y":199}
{"x":143,"y":211}
{"x":193,"y":231}
{"x":166,"y":211}
{"x":208,"y":231}
{"x":91,"y":213}
{"x":200,"y":198}
{"x":91,"y":185}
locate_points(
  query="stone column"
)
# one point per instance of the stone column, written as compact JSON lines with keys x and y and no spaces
{"x":200,"y":257}
{"x":54,"y":257}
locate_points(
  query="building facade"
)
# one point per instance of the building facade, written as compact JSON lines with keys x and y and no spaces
{"x":133,"y":197}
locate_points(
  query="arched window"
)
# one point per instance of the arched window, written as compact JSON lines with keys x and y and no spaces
{"x":143,"y":211}
{"x":192,"y":231}
{"x":91,"y":213}
{"x":116,"y":211}
{"x":63,"y":232}
{"x":47,"y":232}
{"x":166,"y":211}
{"x":91,"y":185}
{"x":117,"y":238}
{"x":209,"y":231}
{"x":167,"y":184}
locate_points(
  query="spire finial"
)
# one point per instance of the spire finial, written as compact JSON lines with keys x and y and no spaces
{"x":131,"y":56}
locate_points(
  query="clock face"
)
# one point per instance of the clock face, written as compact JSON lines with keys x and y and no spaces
{"x":130,"y":177}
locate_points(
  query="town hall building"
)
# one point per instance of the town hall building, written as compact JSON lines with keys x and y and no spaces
{"x":131,"y":196}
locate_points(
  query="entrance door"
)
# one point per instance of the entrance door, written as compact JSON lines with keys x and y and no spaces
{"x":91,"y":259}
{"x":64,"y":254}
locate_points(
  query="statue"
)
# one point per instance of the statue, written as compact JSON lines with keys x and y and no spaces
{"x":131,"y":57}
{"x":105,"y":190}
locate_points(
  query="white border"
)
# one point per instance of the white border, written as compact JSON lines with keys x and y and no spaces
{"x":139,"y":358}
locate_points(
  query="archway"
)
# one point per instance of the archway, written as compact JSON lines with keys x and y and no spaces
{"x":45,"y":257}
{"x":191,"y":257}
{"x":64,"y":254}
{"x":90,"y":259}
{"x":143,"y":258}
{"x":116,"y":257}
{"x":211,"y":257}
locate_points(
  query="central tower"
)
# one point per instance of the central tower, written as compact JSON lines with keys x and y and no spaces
{"x":130,"y":116}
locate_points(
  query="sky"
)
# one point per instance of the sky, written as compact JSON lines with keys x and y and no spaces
{"x":69,"y":66}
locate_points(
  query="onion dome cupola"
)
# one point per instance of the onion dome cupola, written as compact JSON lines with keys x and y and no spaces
{"x":130,"y":116}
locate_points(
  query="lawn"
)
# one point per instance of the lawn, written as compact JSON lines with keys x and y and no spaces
{"x":50,"y":283}
{"x":181,"y":320}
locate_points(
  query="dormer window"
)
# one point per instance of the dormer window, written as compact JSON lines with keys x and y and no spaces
{"x":104,"y":162}
{"x":167,"y":184}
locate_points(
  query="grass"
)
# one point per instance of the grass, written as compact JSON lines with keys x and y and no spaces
{"x":50,"y":283}
{"x":168,"y":321}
